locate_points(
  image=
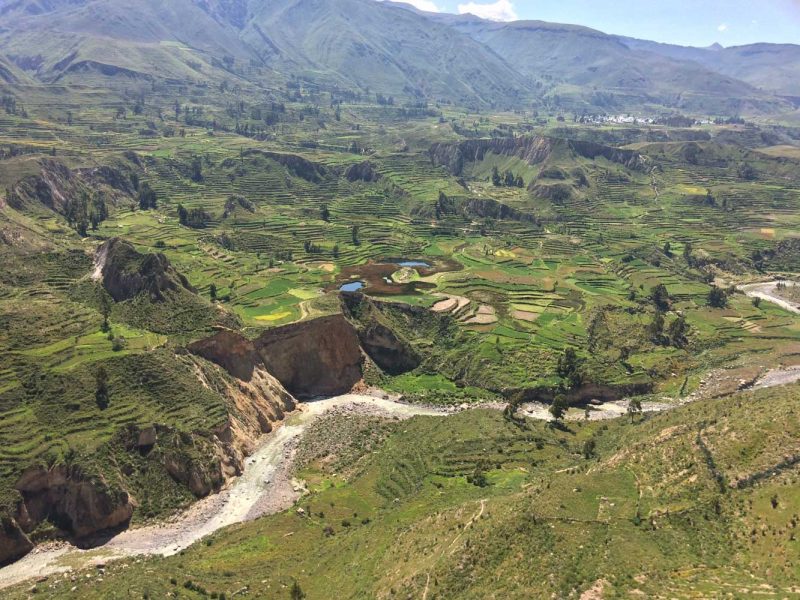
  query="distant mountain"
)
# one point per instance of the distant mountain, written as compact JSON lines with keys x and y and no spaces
{"x":381,"y":46}
{"x":385,"y":47}
{"x":57,"y":39}
{"x":351,"y":43}
{"x":772,"y":67}
{"x":585,"y":65}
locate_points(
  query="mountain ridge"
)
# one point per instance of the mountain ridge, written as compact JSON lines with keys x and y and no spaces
{"x":393,"y":49}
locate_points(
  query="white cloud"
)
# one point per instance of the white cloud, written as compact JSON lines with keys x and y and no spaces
{"x":723,"y":27}
{"x":502,"y":10}
{"x":426,"y":5}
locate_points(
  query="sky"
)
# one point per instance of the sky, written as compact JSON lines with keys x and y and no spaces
{"x":685,"y":22}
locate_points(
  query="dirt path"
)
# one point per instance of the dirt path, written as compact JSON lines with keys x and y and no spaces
{"x":265,"y":487}
{"x":766,"y":291}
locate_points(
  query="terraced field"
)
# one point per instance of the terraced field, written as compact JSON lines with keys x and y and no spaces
{"x":598,"y":277}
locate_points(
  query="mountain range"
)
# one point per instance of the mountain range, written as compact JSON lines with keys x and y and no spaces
{"x":390,"y":49}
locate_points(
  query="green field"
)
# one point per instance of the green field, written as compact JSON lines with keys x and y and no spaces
{"x":536,"y":236}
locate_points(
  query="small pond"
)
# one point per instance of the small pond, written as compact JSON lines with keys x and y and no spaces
{"x":414,"y":263}
{"x":353,"y":286}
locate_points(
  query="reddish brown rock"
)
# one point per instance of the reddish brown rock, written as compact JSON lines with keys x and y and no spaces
{"x":320,"y":357}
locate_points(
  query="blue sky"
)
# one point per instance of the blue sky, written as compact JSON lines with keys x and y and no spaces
{"x":687,"y":22}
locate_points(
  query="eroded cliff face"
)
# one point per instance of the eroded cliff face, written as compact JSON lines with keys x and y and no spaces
{"x":320,"y":357}
{"x":75,"y":501}
{"x":364,"y":171}
{"x":14,"y":544}
{"x":126,"y":273}
{"x":256,"y":403}
{"x":56,"y":185}
{"x":533,"y":150}
{"x":382,"y":342}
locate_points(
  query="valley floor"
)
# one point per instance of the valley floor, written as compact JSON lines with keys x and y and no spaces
{"x":265,"y":487}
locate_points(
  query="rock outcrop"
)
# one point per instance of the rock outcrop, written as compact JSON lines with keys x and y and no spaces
{"x":478,"y":208}
{"x":14,"y":544}
{"x":55,"y":186}
{"x":533,"y":150}
{"x":320,"y":357}
{"x":295,"y":164}
{"x":126,"y":273}
{"x":231,"y":351}
{"x":362,"y":172}
{"x":382,"y":342}
{"x":74,"y":501}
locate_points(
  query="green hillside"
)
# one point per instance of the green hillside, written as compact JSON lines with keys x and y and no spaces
{"x":669,"y":506}
{"x":208,"y":206}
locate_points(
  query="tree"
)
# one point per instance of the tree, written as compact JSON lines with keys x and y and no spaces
{"x":83,"y":226}
{"x":324,"y":213}
{"x":559,"y":407}
{"x":212,"y":292}
{"x":183,"y":214}
{"x":496,"y":181}
{"x":717,"y":297}
{"x":677,"y":332}
{"x":147,"y":197}
{"x":756,"y":302}
{"x":478,"y":476}
{"x":667,"y":249}
{"x":569,"y":368}
{"x":101,"y":388}
{"x":296,"y":592}
{"x":660,"y":297}
{"x":354,"y":233}
{"x":746,"y":172}
{"x":589,"y":448}
{"x":197,"y":169}
{"x":105,"y":308}
{"x":687,"y":253}
{"x":655,"y":330}
{"x":634,"y":407}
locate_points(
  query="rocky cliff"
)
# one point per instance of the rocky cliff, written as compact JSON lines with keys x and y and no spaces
{"x":78,"y":503}
{"x":295,"y":164}
{"x":14,"y":544}
{"x":56,"y":186}
{"x":321,"y":357}
{"x":126,"y":273}
{"x":364,"y":171}
{"x":533,"y":150}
